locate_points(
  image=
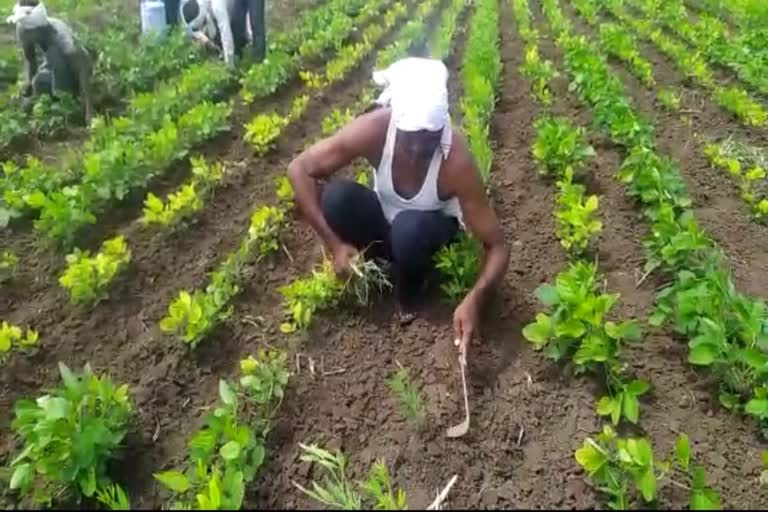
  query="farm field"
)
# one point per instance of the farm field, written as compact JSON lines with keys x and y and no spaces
{"x":622,"y":361}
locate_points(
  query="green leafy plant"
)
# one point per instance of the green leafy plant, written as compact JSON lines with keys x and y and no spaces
{"x":303,"y":297}
{"x":113,"y":497}
{"x":540,"y":72}
{"x":183,"y":203}
{"x":617,"y":41}
{"x":618,"y":467}
{"x":229,"y":450}
{"x":8,"y":262}
{"x":12,"y":336}
{"x":575,"y":324}
{"x":264,"y":129}
{"x":411,"y":402}
{"x":87,"y":278}
{"x":459,"y":266}
{"x":625,"y":470}
{"x":188,"y":200}
{"x":68,"y":437}
{"x":192,"y":316}
{"x":739,"y":102}
{"x":480,"y":70}
{"x":338,"y":492}
{"x":334,"y":121}
{"x":559,"y":145}
{"x":574,"y":215}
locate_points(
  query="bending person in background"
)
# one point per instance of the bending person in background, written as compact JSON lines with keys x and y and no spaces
{"x":427,"y":187}
{"x":220,"y":25}
{"x":66,"y":65}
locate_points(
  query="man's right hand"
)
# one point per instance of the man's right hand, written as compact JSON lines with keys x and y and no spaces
{"x":343,"y":255}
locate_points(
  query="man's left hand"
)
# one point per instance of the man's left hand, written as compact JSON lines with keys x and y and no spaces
{"x":465,"y":322}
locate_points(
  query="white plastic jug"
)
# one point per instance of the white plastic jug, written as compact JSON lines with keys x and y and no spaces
{"x":153,"y":16}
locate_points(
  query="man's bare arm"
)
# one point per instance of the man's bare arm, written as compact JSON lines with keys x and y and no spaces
{"x":481,"y":221}
{"x":323,"y":159}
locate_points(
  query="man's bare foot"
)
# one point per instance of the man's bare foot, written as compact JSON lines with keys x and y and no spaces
{"x":405,"y":317}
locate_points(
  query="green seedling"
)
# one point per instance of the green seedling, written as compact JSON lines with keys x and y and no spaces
{"x":574,"y":215}
{"x":12,"y":336}
{"x":411,"y":402}
{"x":338,"y":492}
{"x":113,"y":497}
{"x":88,"y":277}
{"x":228,"y":452}
{"x":559,"y":145}
{"x":8,"y":262}
{"x":68,"y":438}
{"x":459,"y":265}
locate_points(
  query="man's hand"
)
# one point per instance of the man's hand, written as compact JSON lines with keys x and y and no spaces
{"x":465,"y":322}
{"x":343,"y":255}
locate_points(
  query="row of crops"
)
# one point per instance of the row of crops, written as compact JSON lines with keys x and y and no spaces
{"x":724,"y":328}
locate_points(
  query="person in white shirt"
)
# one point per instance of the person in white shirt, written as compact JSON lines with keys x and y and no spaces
{"x":221,"y":25}
{"x":426,"y":189}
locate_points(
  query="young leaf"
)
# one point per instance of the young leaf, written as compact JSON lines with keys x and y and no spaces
{"x":638,"y":387}
{"x":226,"y":393}
{"x":702,"y":355}
{"x":21,"y":476}
{"x":590,"y":457}
{"x":706,"y":499}
{"x":647,"y":485}
{"x":173,"y":480}
{"x":757,"y":407}
{"x":230,"y":451}
{"x":683,"y":452}
{"x":539,"y":331}
{"x":630,"y":407}
{"x":547,"y":294}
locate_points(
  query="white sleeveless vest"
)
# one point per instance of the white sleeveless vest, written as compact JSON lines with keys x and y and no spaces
{"x":427,"y":199}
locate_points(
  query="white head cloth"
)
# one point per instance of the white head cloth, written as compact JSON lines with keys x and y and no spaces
{"x":28,"y":17}
{"x":417,"y":91}
{"x":203,"y":21}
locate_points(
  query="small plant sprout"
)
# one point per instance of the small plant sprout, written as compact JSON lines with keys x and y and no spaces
{"x":411,"y":403}
{"x":669,"y":99}
{"x":12,"y":336}
{"x":113,"y":497}
{"x":88,"y":277}
{"x":8,"y":262}
{"x":338,"y":492}
{"x":459,"y":265}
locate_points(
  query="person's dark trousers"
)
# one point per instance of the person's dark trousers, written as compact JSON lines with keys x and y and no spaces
{"x":252,"y":10}
{"x":171,"y":12}
{"x":355,"y":215}
{"x":257,"y":19}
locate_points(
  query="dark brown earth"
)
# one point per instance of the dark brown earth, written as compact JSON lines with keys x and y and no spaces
{"x":528,"y":414}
